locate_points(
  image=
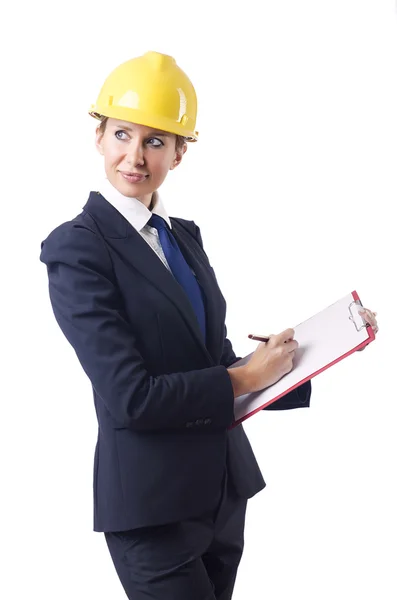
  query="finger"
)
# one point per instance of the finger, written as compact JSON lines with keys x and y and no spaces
{"x":369,"y":316}
{"x":367,"y":311}
{"x":373,"y":324}
{"x":291,"y":346}
{"x":284,"y":336}
{"x":372,"y":321}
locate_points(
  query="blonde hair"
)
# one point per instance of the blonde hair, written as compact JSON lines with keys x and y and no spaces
{"x":180,"y":140}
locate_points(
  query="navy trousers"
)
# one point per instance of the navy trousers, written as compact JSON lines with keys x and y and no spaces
{"x":191,"y":560}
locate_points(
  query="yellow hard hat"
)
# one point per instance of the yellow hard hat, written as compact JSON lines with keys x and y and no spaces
{"x":150,"y":90}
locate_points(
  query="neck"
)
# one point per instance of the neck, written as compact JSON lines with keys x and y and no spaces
{"x":147,"y":200}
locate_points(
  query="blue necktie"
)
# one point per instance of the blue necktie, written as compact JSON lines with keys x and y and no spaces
{"x":180,"y":269}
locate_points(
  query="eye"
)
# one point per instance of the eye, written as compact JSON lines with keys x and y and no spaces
{"x":120,"y":133}
{"x":155,"y":142}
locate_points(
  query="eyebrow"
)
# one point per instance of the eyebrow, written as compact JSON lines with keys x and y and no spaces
{"x":154,"y":132}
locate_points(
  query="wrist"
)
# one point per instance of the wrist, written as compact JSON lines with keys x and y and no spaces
{"x":240,"y":381}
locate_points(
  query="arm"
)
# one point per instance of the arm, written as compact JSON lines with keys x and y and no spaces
{"x":228,"y":357}
{"x":89,"y":310}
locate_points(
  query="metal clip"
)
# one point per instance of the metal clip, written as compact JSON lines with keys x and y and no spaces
{"x":357,"y":304}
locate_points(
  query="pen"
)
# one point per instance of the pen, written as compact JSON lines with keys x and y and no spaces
{"x":258,"y":338}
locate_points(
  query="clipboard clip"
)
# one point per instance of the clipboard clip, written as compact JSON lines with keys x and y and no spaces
{"x":355,"y":315}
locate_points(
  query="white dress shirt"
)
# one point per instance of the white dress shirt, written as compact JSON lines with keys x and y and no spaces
{"x":138,"y":215}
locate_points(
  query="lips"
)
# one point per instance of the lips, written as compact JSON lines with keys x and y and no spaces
{"x":133,"y":177}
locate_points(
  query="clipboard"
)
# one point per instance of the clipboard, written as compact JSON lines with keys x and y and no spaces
{"x":325,"y":339}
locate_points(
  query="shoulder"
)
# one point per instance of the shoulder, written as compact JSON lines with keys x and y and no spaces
{"x":74,"y":240}
{"x":188,"y":226}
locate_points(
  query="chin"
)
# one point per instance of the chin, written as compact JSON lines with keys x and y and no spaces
{"x":130,"y":190}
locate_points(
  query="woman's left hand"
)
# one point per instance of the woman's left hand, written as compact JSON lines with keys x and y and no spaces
{"x":370,"y":318}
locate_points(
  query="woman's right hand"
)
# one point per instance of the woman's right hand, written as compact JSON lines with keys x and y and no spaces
{"x":270,"y":361}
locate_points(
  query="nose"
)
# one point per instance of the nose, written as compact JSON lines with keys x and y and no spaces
{"x":135,"y":155}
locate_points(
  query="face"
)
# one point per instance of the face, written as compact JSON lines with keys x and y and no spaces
{"x":137,"y":158}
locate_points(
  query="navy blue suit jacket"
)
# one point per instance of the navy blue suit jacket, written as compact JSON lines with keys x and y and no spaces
{"x":163,"y":399}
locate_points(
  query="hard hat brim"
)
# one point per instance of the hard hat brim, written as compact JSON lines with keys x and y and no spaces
{"x":140,"y":118}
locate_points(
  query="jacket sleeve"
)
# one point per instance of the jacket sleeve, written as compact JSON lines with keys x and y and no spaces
{"x":298,"y":398}
{"x":228,"y":357}
{"x":89,"y":309}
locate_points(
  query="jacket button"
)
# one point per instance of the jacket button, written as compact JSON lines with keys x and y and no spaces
{"x":207,"y":421}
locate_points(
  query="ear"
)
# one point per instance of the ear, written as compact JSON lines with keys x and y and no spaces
{"x":99,"y":140}
{"x":178,"y":157}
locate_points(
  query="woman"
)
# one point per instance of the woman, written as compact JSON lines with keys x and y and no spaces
{"x":135,"y":295}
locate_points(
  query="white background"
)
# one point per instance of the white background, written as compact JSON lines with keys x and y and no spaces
{"x":293,"y":184}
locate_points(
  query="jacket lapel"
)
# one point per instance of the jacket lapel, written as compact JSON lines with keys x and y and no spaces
{"x":128,"y":243}
{"x":213,"y":299}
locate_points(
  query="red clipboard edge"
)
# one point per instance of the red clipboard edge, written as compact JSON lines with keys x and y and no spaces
{"x":371,"y":338}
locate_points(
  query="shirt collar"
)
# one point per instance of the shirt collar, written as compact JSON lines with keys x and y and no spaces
{"x":132,"y":209}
